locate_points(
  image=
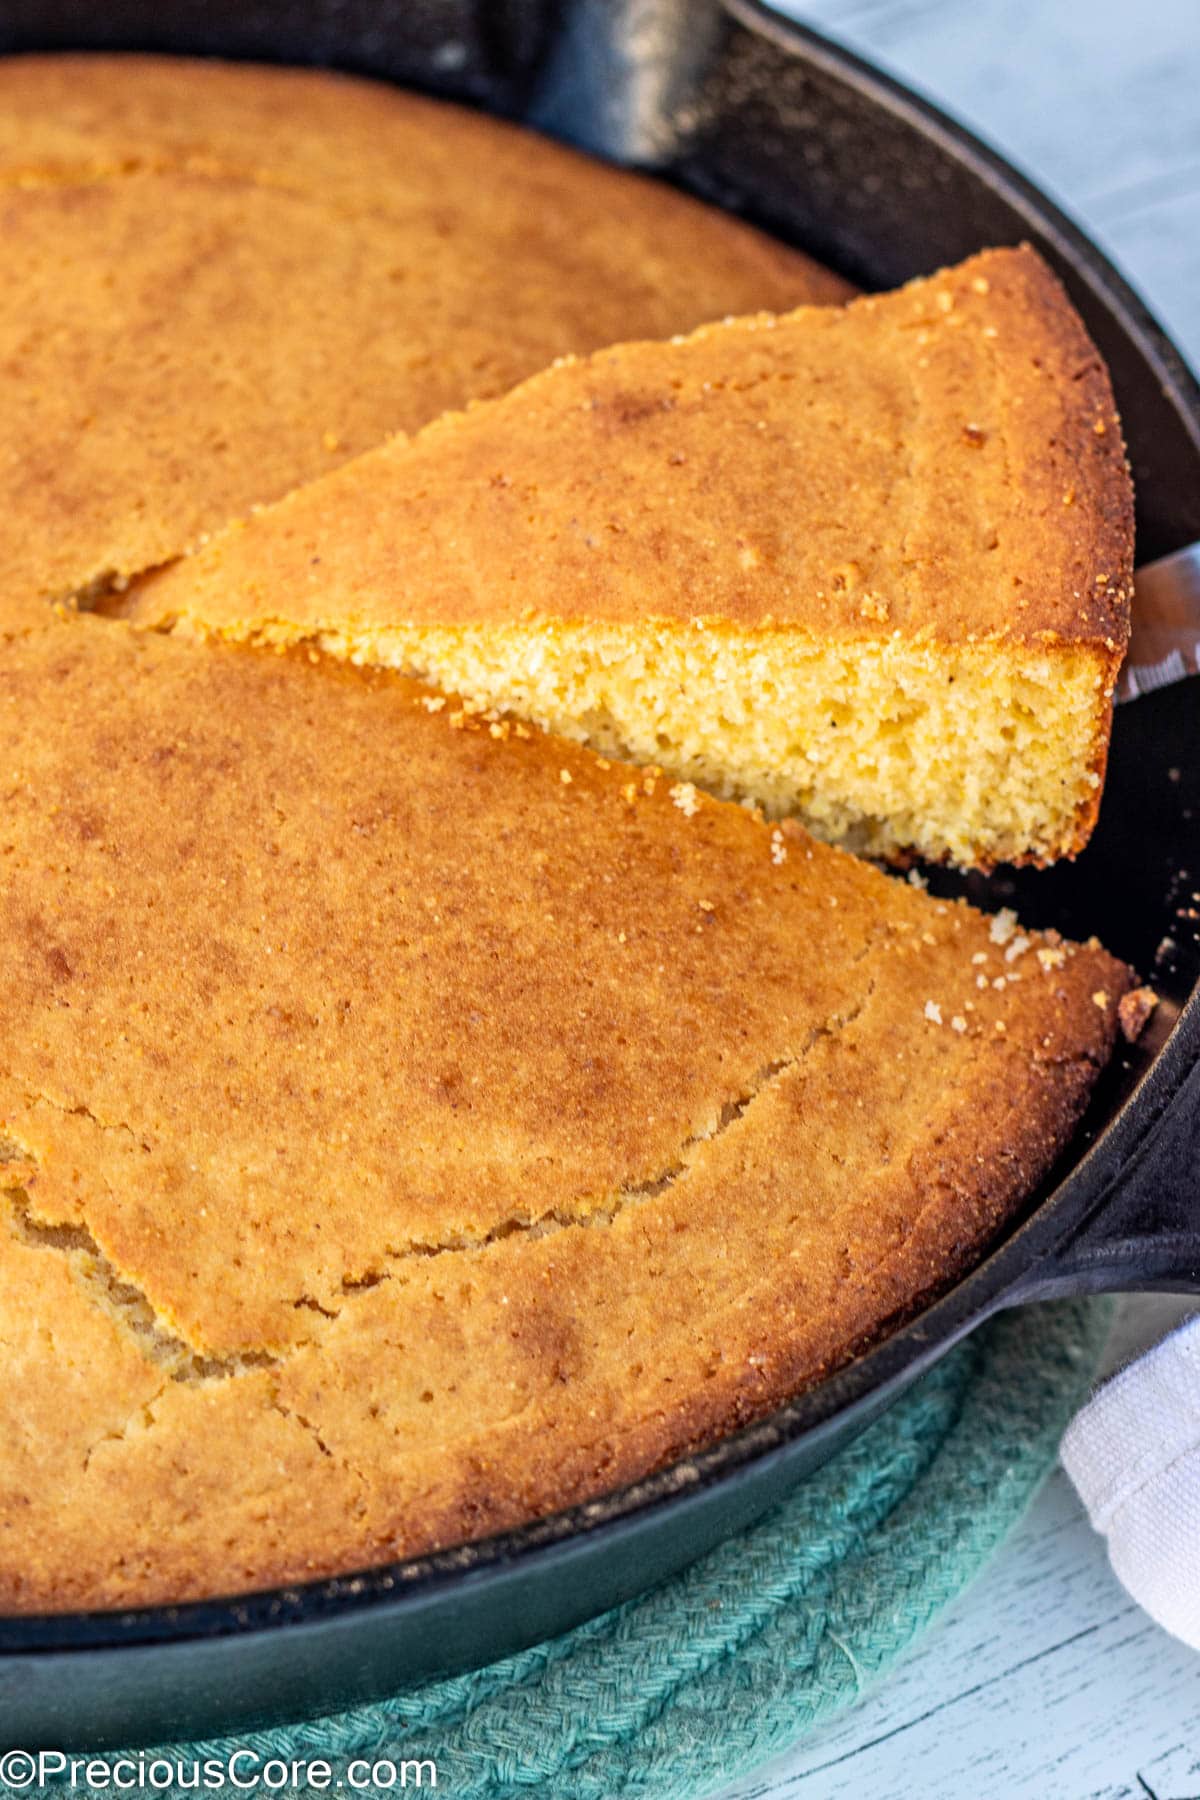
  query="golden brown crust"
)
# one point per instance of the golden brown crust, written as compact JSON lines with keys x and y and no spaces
{"x":219,"y":282}
{"x":944,"y":462}
{"x":472,"y":1138}
{"x":366,"y":146}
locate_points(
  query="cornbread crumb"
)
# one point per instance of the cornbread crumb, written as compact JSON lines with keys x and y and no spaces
{"x":1133,"y":1010}
{"x":958,"y":1023}
{"x":933,"y":1012}
{"x":683,"y":794}
{"x":778,"y":848}
{"x":1003,"y":925}
{"x":1100,"y":999}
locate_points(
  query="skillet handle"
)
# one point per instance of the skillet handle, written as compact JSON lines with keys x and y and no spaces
{"x":625,"y":77}
{"x":1144,"y":1236}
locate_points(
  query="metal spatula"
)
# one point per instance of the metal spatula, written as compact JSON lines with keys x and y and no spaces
{"x":1165,"y":645}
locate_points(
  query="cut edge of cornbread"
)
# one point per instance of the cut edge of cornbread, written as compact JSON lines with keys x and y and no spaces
{"x":856,"y":738}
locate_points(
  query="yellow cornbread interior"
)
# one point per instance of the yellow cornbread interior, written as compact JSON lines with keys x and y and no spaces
{"x":973,"y":752}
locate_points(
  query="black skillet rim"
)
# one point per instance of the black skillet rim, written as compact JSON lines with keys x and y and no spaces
{"x":1070,"y":1201}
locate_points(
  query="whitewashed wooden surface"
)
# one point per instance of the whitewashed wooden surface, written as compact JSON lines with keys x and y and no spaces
{"x":1044,"y":1682}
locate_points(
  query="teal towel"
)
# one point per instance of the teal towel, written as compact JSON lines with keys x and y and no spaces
{"x":677,"y":1693}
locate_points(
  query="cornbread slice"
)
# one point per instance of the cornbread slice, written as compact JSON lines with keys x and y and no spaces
{"x":412,"y":1124}
{"x":869,"y":565}
{"x":218,"y":283}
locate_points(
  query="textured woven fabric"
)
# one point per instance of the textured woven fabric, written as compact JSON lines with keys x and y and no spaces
{"x":680,"y":1691}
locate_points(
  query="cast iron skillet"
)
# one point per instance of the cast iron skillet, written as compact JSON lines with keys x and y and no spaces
{"x":786,"y":129}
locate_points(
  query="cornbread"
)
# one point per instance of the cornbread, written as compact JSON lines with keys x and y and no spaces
{"x":870,"y":565}
{"x":219,"y":282}
{"x":412,"y":1124}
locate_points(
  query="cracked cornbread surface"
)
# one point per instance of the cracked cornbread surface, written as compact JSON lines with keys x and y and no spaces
{"x":220,"y":281}
{"x":870,"y":564}
{"x":413,"y":1123}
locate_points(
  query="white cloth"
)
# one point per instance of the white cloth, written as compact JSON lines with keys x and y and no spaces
{"x":1133,"y":1454}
